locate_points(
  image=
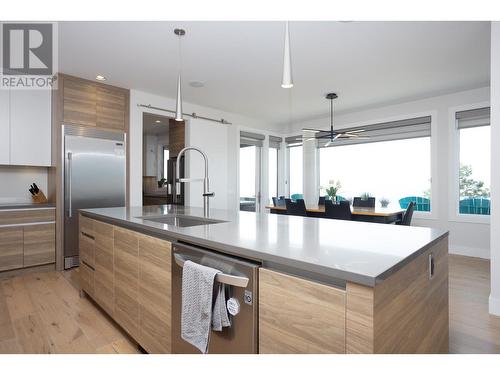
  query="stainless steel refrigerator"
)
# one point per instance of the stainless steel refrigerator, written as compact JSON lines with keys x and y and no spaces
{"x":94,"y":176}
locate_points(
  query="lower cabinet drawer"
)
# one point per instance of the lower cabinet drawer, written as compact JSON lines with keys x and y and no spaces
{"x":86,"y":279}
{"x":11,"y":248}
{"x":299,"y":316}
{"x":39,"y":244}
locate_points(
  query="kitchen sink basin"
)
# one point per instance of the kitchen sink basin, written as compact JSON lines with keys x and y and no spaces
{"x":181,"y":220}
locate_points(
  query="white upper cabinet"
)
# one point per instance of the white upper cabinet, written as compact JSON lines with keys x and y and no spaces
{"x":30,"y":127}
{"x":4,"y":127}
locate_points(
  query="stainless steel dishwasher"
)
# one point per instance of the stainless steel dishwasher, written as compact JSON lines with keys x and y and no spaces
{"x":242,"y":336}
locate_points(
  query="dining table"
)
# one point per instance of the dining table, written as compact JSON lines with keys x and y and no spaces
{"x":383,"y":215}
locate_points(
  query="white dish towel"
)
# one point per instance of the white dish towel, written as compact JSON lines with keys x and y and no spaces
{"x":199,"y":313}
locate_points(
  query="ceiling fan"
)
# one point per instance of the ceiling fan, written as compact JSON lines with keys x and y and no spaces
{"x":332,"y":135}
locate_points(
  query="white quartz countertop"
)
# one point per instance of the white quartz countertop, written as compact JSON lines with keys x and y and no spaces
{"x":364,"y":253}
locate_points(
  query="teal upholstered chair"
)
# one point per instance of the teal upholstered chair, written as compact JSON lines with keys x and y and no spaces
{"x":421,"y":203}
{"x":294,"y":197}
{"x":475,"y":206}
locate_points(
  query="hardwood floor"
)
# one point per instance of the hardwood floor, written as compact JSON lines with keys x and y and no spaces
{"x":43,"y":313}
{"x":472,"y":329}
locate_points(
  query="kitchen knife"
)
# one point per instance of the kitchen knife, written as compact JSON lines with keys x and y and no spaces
{"x":36,"y":188}
{"x":31,"y":191}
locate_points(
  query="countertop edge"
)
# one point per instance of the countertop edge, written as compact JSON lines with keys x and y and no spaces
{"x":245,"y":253}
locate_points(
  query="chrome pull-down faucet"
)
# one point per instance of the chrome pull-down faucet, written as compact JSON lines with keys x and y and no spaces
{"x":206,"y":184}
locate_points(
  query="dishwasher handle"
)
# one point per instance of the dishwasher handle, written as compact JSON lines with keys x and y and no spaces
{"x":223,"y":278}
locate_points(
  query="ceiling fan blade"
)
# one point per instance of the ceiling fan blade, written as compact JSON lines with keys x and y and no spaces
{"x":356,"y":131}
{"x":328,"y":143}
{"x":313,"y":130}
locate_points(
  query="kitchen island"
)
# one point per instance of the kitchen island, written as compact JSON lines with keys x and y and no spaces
{"x":325,"y":286}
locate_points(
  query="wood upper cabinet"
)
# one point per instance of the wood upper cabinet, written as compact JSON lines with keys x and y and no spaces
{"x":39,"y":244}
{"x":104,"y":266}
{"x":11,"y":248}
{"x":155,"y":294}
{"x":90,"y":103}
{"x":111,"y":108}
{"x":79,"y":102}
{"x":299,"y":316}
{"x":126,"y":247}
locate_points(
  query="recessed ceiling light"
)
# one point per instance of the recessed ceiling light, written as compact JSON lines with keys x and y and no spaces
{"x":196,"y":84}
{"x":158,"y":121}
{"x":100,"y":78}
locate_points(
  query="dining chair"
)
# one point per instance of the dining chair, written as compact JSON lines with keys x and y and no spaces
{"x":338,"y":210}
{"x":297,"y":208}
{"x":321,"y":200}
{"x":294,"y":197}
{"x":360,"y":202}
{"x":408,"y":215}
{"x":279,"y":202}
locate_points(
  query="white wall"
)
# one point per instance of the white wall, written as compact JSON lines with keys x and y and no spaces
{"x":211,"y":138}
{"x":15,"y":182}
{"x":495,"y":169}
{"x":466,"y":238}
{"x":220,"y":142}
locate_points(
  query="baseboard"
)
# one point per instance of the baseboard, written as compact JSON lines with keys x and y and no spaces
{"x":469,"y":251}
{"x":24,"y":271}
{"x":494,"y":304}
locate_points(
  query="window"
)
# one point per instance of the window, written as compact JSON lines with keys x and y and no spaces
{"x":274,"y":147}
{"x":474,"y":169}
{"x":295,"y":170}
{"x":393,"y":162}
{"x":250,"y":151}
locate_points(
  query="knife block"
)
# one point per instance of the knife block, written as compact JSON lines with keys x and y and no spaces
{"x":39,"y":197}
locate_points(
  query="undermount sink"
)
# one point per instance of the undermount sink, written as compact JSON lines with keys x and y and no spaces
{"x":181,"y":220}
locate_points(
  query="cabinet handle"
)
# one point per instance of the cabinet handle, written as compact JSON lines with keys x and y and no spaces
{"x":431,"y":266}
{"x":88,"y":235}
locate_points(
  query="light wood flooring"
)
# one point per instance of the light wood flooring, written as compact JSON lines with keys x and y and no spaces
{"x":43,"y":313}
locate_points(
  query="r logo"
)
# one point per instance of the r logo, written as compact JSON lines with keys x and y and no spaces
{"x":27,"y":48}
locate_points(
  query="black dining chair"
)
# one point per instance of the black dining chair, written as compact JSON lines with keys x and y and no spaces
{"x":321,"y":201}
{"x":408,"y":214}
{"x":360,"y":202}
{"x":338,"y":210}
{"x":297,"y":208}
{"x":279,"y":202}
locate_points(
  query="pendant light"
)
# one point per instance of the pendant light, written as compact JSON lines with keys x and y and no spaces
{"x":178,"y":105}
{"x":287,"y":81}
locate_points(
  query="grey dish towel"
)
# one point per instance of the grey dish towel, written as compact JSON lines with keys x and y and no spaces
{"x":197,"y":303}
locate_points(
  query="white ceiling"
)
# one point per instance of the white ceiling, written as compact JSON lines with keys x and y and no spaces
{"x":366,"y":63}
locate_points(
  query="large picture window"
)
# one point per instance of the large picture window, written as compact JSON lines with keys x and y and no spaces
{"x":474,"y":169}
{"x":392,"y":164}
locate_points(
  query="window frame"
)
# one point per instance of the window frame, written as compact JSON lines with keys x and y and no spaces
{"x":454,"y":196}
{"x":278,"y":149}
